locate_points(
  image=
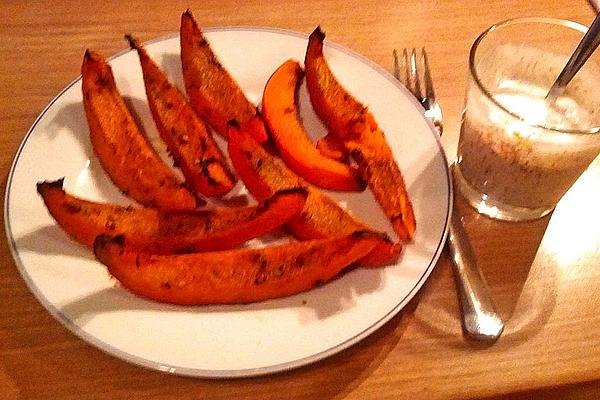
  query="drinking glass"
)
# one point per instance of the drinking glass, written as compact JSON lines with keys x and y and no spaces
{"x":519,"y":153}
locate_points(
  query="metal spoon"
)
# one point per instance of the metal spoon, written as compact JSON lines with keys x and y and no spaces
{"x":584,"y":50}
{"x":480,"y":319}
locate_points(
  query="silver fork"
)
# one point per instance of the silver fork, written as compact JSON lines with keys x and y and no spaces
{"x":480,"y":320}
{"x":411,"y":79}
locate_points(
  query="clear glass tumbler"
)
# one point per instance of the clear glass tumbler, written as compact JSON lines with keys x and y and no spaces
{"x":518,"y":153}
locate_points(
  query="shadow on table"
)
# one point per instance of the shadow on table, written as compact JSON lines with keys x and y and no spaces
{"x":523,"y":290}
{"x":581,"y":391}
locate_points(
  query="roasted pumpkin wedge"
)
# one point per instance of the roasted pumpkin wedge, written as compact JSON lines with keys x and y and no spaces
{"x":190,"y":144}
{"x":321,"y":216}
{"x":331,"y":147}
{"x":350,"y":122}
{"x":212,"y":91}
{"x":234,"y":276}
{"x":168,"y":232}
{"x":123,"y":150}
{"x":293,"y":144}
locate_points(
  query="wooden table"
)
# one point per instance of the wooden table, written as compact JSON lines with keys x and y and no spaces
{"x":544,"y":275}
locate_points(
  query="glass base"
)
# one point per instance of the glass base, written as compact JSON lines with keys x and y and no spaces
{"x":493,"y":208}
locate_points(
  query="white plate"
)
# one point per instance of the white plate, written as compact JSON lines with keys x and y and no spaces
{"x":223,"y":341}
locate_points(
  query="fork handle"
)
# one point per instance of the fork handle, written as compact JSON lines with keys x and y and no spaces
{"x":479,"y":316}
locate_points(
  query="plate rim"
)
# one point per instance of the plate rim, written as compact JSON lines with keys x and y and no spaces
{"x":226,"y":373}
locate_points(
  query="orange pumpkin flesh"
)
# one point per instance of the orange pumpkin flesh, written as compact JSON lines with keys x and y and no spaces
{"x":293,"y":144}
{"x":167,"y":232}
{"x":190,"y":144}
{"x":321,"y":216}
{"x":232,"y":276}
{"x":123,"y":150}
{"x":352,"y":124}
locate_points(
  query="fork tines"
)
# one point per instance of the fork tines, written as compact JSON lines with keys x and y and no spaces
{"x":406,"y":70}
{"x":409,"y":71}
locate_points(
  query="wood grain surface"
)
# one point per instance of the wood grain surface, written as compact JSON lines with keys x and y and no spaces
{"x":544,"y":275}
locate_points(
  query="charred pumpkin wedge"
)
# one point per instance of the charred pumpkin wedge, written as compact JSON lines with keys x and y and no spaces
{"x":293,"y":144}
{"x":331,"y":147}
{"x":321,"y":216}
{"x":212,"y":91}
{"x":167,"y":232}
{"x":190,"y":144}
{"x":234,"y":276}
{"x":355,"y":126}
{"x":123,"y":150}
